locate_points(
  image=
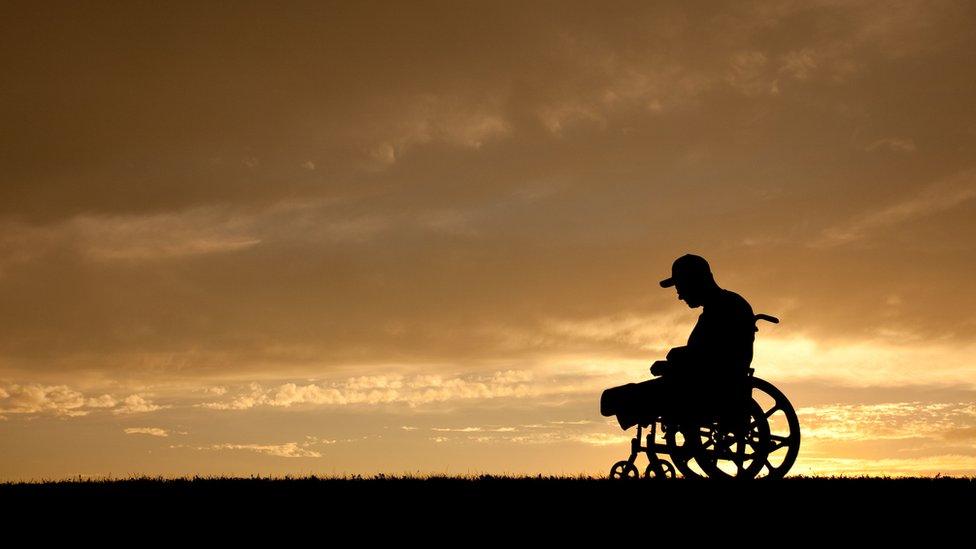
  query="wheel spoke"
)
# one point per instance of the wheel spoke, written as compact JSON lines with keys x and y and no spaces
{"x":772,"y":410}
{"x":777,"y":442}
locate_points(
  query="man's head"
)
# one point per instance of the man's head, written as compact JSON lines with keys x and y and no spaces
{"x":692,"y":278}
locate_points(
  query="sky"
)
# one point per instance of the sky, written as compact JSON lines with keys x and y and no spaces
{"x":423,"y":237}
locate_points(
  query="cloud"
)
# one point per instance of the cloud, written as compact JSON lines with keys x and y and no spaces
{"x":560,"y":379}
{"x":888,"y":421}
{"x":939,"y":197}
{"x":651,"y":333}
{"x":601,"y":82}
{"x":800,"y":63}
{"x":457,"y":430}
{"x":432,"y":118}
{"x":542,"y":435}
{"x":302,"y":449}
{"x":62,"y":400}
{"x":748,"y":74}
{"x":358,"y":229}
{"x":313,"y":440}
{"x":410,"y":390}
{"x":136,"y":404}
{"x":192,"y":232}
{"x":35,"y":398}
{"x":603,"y":439}
{"x":287,"y":450}
{"x":960,"y":433}
{"x":151,"y":431}
{"x":893,"y":144}
{"x":103,"y":401}
{"x":553,"y":379}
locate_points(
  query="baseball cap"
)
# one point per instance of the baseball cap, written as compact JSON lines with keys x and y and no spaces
{"x":685,"y":267}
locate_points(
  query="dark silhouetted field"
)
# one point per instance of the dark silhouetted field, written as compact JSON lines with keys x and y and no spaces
{"x":518,"y":503}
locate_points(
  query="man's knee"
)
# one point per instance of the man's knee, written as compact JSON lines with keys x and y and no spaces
{"x":611,"y":398}
{"x":605,"y":406}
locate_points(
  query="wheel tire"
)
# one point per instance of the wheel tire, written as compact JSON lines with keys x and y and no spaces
{"x":665,"y":470}
{"x":782,"y":444}
{"x":624,"y":470}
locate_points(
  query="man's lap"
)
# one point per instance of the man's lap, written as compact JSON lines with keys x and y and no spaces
{"x":638,"y":402}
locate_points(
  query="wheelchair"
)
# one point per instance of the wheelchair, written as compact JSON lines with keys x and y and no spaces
{"x":753,"y":432}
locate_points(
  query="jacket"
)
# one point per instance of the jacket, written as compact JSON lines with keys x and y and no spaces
{"x":720,"y":346}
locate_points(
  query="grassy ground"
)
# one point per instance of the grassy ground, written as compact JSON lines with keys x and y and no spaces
{"x":523,"y":504}
{"x":489,"y":489}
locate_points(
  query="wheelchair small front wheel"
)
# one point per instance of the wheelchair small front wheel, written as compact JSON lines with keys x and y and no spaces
{"x":663,"y":470}
{"x":624,"y":470}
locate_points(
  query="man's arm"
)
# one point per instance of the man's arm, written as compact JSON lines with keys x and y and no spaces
{"x":676,"y":357}
{"x":681,"y":355}
{"x":661,"y":367}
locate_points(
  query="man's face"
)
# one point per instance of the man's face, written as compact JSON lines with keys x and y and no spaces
{"x":689,"y":292}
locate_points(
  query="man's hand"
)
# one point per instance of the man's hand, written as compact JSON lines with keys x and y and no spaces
{"x":678,"y":354}
{"x":660,"y":367}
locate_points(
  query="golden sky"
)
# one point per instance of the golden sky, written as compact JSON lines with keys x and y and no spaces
{"x":423,"y":237}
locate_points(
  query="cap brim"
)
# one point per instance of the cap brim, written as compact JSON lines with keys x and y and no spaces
{"x":667,"y":282}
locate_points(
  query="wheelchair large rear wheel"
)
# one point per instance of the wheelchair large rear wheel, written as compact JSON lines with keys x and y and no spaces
{"x":784,"y":428}
{"x":783,"y":443}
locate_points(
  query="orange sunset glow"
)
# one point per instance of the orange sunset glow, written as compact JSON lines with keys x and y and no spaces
{"x":423,"y":237}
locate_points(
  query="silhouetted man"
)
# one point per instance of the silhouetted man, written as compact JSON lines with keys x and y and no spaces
{"x":704,"y":371}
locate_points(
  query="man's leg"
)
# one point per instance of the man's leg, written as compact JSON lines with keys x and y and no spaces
{"x":636,"y":402}
{"x":656,"y":396}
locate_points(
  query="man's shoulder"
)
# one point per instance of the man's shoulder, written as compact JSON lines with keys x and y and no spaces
{"x":732,"y":301}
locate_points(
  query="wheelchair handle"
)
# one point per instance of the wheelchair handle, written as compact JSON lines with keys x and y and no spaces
{"x":765,"y":317}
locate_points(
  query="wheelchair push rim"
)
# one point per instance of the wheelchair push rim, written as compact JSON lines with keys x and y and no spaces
{"x":784,"y":427}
